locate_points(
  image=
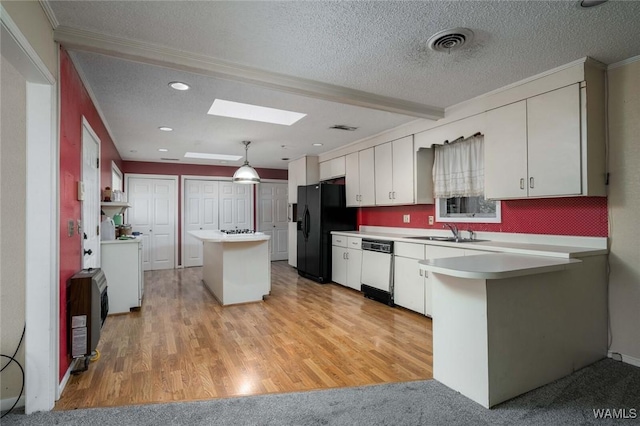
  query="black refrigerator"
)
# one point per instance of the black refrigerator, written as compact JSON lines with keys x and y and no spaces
{"x":321,"y":209}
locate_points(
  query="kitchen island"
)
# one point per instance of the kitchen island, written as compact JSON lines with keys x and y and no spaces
{"x":236,"y":268}
{"x":504,"y":324}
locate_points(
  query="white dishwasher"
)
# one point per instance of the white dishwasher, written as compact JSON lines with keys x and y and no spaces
{"x":377,"y":270}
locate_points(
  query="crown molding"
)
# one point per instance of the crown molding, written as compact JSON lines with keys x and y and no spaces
{"x":92,"y":96}
{"x":153,"y":54}
{"x":46,"y":6}
{"x":624,"y":62}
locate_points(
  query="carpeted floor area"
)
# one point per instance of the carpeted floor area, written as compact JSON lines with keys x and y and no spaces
{"x":572,"y":400}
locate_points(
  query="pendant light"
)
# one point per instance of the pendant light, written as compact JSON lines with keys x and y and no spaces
{"x":246,"y":173}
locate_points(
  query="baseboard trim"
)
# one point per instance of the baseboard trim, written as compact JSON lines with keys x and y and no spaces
{"x":65,"y":379}
{"x":5,"y":404}
{"x":624,"y":358}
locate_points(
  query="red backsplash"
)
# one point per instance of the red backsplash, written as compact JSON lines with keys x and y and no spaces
{"x":578,"y":216}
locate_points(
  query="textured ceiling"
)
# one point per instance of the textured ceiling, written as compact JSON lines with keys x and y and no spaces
{"x":377,"y":47}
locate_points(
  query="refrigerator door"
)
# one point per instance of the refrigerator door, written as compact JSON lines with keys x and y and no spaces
{"x":301,"y":229}
{"x":312,"y":222}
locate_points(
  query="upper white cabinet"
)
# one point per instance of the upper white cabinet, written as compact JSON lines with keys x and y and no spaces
{"x":394,"y":164}
{"x":303,"y":171}
{"x":540,"y":147}
{"x":332,"y":169}
{"x":359,"y":178}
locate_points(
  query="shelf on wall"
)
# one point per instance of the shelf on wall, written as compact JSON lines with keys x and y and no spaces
{"x":113,"y":208}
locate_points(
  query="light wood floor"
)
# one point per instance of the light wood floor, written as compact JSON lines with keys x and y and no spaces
{"x":183,"y":345}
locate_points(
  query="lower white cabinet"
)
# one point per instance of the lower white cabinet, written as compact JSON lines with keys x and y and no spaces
{"x":121,"y":262}
{"x":409,"y":285}
{"x":346,"y":258}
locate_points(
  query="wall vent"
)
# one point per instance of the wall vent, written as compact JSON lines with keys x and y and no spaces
{"x":344,"y":127}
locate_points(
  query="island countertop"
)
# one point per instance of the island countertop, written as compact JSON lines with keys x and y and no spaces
{"x":215,"y":236}
{"x":496,"y":265}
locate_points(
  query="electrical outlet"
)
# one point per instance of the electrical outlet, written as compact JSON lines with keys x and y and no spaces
{"x":406,"y":218}
{"x":430,"y":220}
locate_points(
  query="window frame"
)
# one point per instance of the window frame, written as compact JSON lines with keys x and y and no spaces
{"x":467,"y":219}
{"x":115,"y":171}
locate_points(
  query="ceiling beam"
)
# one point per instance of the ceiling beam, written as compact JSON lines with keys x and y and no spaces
{"x":76,"y":39}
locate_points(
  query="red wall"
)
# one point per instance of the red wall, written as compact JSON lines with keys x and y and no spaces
{"x":74,"y":104}
{"x":180,"y":170}
{"x":578,"y":216}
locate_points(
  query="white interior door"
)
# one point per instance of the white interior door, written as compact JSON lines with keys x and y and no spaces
{"x":272,"y":214}
{"x":235,"y":206}
{"x":91,"y":203}
{"x":152,"y":213}
{"x":200,"y":213}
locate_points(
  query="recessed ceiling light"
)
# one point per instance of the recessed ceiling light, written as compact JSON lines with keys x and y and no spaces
{"x":178,"y":85}
{"x":208,"y":156}
{"x":223,"y":162}
{"x":254,"y":112}
{"x":317,"y":144}
{"x":165,"y":129}
{"x":163,"y":150}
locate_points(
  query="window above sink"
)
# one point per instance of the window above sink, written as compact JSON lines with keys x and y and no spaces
{"x":468,"y":210}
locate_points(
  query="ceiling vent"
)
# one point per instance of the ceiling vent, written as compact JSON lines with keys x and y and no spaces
{"x":451,"y":39}
{"x":344,"y":127}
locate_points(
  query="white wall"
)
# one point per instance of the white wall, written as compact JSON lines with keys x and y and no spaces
{"x":13,"y":158}
{"x":624,"y":209}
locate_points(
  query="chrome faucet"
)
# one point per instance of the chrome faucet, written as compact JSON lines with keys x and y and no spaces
{"x":454,"y":230}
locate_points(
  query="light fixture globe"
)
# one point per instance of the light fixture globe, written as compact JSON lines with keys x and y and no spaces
{"x":246,"y":173}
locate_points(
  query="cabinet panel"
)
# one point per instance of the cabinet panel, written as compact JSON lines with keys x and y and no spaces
{"x":505,"y":147}
{"x":339,"y":265}
{"x":409,"y":285}
{"x":402,"y":167}
{"x":293,"y":244}
{"x":352,"y":179}
{"x":339,"y":240}
{"x":332,"y":169}
{"x":354,"y":268}
{"x":383,"y":173}
{"x":367,"y":177}
{"x":436,"y":252}
{"x":410,"y":250}
{"x":553,"y":128}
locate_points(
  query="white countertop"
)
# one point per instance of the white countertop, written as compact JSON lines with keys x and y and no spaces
{"x":136,"y":240}
{"x":550,"y":250}
{"x":215,"y":236}
{"x":496,"y":265}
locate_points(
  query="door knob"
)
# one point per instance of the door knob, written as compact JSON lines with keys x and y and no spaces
{"x":89,"y":252}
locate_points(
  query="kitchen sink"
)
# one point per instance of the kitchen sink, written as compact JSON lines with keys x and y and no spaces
{"x":447,"y":239}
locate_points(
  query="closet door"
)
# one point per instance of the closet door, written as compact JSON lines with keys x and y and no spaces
{"x":200,"y":213}
{"x":152,"y":213}
{"x":235,"y":206}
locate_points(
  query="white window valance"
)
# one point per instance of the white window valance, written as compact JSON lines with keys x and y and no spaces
{"x":458,"y":168}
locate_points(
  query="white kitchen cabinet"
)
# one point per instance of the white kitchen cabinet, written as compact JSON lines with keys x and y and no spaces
{"x":538,"y":147}
{"x":121,"y":262}
{"x":346,"y":257}
{"x":409,"y":282}
{"x":359,"y":178}
{"x":436,"y":252}
{"x":332,"y":169}
{"x":303,"y":171}
{"x":394,"y":180}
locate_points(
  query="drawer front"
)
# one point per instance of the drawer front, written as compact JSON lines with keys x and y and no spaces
{"x":354,"y":243}
{"x":339,"y":240}
{"x":410,"y":250}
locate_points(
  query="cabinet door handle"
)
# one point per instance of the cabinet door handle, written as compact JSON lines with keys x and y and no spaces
{"x":530,"y":182}
{"x":344,"y":255}
{"x":420,"y":272}
{"x":347,"y":255}
{"x":394,"y":195}
{"x":389,"y":195}
{"x":522,"y":183}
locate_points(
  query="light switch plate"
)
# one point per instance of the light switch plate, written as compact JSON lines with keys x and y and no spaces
{"x":430,"y":220}
{"x":406,"y":218}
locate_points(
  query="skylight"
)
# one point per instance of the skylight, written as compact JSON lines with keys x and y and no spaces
{"x":208,"y":156}
{"x":254,"y":112}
